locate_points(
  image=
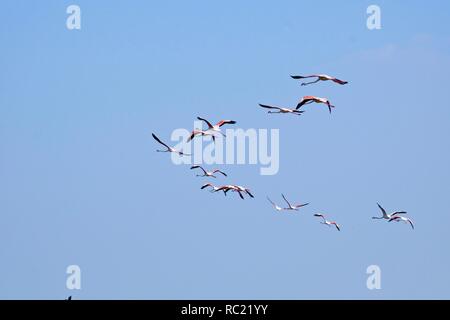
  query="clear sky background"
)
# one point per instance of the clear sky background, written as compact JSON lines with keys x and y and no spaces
{"x":81,"y":183}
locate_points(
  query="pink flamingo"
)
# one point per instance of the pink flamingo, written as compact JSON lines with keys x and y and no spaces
{"x":404,"y":219}
{"x":320,"y":77}
{"x":282,"y":110}
{"x":310,"y":99}
{"x":169,"y":149}
{"x":208,"y":173}
{"x":326,"y":222}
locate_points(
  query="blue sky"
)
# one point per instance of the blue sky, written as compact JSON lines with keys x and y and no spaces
{"x":81,"y":183}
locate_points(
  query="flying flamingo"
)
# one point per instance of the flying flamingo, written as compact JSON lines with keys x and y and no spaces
{"x":169,"y":149}
{"x":404,"y":219}
{"x":274,"y":205}
{"x":326,"y":222}
{"x":209,"y":185}
{"x":293,"y":207}
{"x":387,"y":216}
{"x":310,"y":99}
{"x":216,"y":128}
{"x":225,"y":189}
{"x":208,"y":173}
{"x":202,"y":133}
{"x":239,"y":189}
{"x":320,"y":77}
{"x":281,"y":110}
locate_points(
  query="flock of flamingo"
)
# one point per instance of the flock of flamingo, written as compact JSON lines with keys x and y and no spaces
{"x":214,"y":130}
